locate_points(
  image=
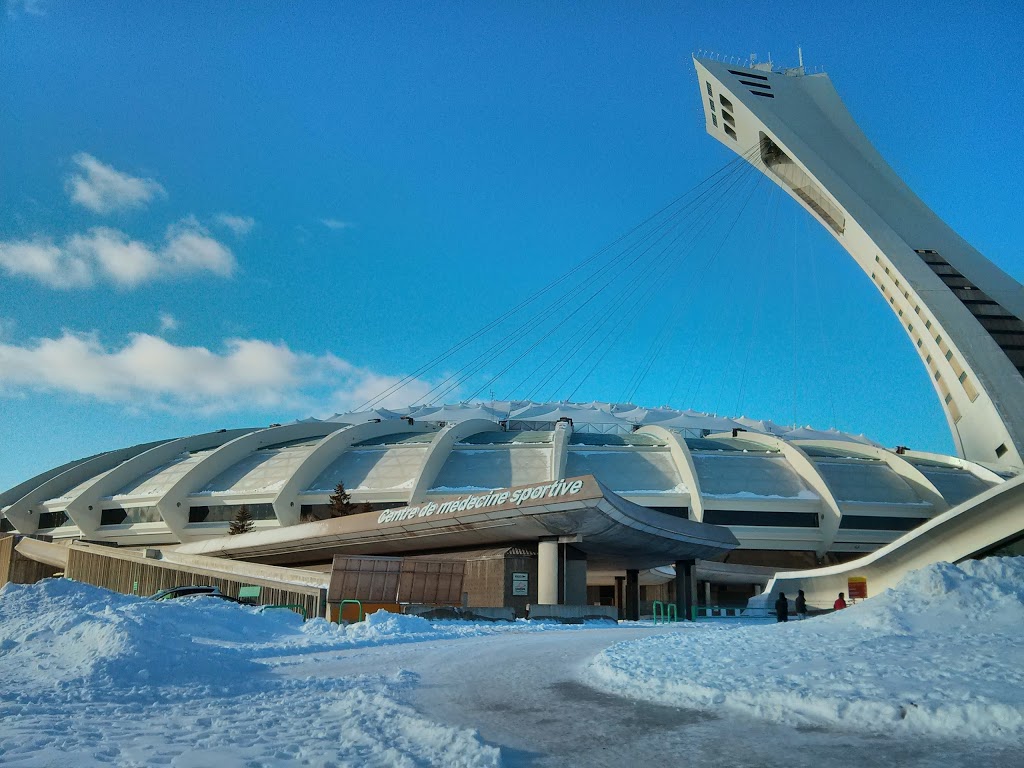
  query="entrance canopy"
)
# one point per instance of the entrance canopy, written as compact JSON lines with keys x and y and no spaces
{"x":614,"y":533}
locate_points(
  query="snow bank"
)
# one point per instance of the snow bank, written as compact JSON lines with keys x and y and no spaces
{"x":130,"y":681}
{"x":60,"y":634}
{"x":942,"y":655}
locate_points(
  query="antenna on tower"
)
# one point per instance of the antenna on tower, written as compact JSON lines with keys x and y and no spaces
{"x":800,"y":56}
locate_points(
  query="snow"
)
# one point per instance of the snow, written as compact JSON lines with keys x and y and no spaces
{"x":113,"y":679}
{"x":393,"y":486}
{"x":803,"y":493}
{"x":940,"y":655}
{"x":679,"y":488}
{"x":188,"y":683}
{"x":461,"y":488}
{"x":263,"y":489}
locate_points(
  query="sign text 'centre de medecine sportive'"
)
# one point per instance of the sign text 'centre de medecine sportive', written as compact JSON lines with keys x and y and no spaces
{"x":494,"y":498}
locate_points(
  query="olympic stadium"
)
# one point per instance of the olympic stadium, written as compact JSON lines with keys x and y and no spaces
{"x":790,"y":497}
{"x":778,"y":497}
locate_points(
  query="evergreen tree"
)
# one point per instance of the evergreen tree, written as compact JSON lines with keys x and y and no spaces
{"x":242,"y":522}
{"x":341,"y":503}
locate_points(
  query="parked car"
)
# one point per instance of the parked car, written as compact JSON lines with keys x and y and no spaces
{"x":173,"y":593}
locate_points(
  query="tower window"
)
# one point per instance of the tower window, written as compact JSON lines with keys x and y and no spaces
{"x":710,"y":93}
{"x":1001,"y":450}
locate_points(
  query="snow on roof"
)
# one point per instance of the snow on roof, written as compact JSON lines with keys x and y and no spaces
{"x":580,"y":414}
{"x":361,"y":417}
{"x":762,"y":425}
{"x":809,"y":433}
{"x":640,"y":415}
{"x":460,"y":412}
{"x":697,"y":420}
{"x":621,"y":417}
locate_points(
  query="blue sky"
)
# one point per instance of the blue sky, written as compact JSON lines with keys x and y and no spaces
{"x":232,"y":214}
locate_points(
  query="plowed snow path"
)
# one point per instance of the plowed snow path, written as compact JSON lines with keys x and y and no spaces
{"x":527,"y":694}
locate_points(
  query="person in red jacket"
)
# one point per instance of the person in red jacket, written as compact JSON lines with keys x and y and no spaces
{"x":840,"y":603}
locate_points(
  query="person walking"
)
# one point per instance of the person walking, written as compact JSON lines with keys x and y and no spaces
{"x":801,"y":606}
{"x":782,"y":607}
{"x":840,"y":602}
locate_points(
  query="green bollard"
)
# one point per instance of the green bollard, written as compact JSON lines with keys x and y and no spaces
{"x":658,"y":607}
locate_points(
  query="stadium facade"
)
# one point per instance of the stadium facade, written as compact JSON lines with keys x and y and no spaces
{"x":790,"y":497}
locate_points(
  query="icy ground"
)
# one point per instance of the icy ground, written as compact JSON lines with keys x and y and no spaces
{"x":926,"y":675}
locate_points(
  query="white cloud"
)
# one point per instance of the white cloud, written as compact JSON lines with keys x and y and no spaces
{"x":190,"y":249}
{"x":103,"y":189}
{"x":149,"y":371}
{"x":240,"y":225}
{"x":126,"y":262}
{"x":110,"y":255}
{"x":168,"y":322}
{"x":335,"y":223}
{"x":41,"y":260}
{"x":366,"y":385}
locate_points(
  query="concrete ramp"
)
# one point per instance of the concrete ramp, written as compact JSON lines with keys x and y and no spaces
{"x":45,"y":552}
{"x":980,"y":524}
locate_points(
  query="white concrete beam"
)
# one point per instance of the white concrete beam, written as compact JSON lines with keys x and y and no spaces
{"x":325,"y":453}
{"x":173,"y":505}
{"x":560,"y":449}
{"x":85,"y":509}
{"x":23,"y":514}
{"x":441,"y":447}
{"x":922,"y":486}
{"x":831,"y":513}
{"x":684,"y":465}
{"x":979,"y":471}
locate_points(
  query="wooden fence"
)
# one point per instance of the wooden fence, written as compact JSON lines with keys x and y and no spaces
{"x":396,"y":580}
{"x":6,"y":555}
{"x":18,"y":569}
{"x":135,"y":574}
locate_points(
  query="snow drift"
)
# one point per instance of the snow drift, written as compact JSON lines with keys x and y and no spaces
{"x":107,"y":678}
{"x":942,"y":654}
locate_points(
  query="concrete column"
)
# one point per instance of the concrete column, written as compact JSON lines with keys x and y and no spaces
{"x":757,"y":590}
{"x":633,"y":595}
{"x":686,"y":588}
{"x":547,"y":572}
{"x":707,"y":594}
{"x":619,"y":589}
